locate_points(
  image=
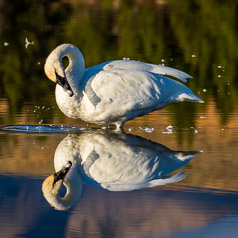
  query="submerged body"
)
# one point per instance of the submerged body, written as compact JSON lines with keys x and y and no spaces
{"x":115,"y":91}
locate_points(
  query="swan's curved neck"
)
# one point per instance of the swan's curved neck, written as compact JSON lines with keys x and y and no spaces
{"x":73,"y":184}
{"x":72,"y":195}
{"x":75,"y":70}
{"x":74,"y":74}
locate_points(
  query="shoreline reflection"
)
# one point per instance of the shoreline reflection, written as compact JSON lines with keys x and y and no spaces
{"x":112,"y":161}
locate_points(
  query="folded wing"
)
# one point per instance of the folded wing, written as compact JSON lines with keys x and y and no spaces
{"x":134,"y":84}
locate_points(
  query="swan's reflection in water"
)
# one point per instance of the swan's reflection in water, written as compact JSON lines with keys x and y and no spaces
{"x":116,"y":162}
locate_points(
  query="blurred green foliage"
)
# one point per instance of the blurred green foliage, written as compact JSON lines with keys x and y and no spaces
{"x":198,"y":37}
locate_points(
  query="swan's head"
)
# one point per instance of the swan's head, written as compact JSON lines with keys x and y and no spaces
{"x":70,"y":177}
{"x":54,"y":68}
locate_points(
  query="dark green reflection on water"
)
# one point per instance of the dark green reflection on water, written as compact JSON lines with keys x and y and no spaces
{"x":199,"y":37}
{"x":208,"y":29}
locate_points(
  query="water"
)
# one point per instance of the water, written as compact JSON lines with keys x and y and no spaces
{"x":199,"y":38}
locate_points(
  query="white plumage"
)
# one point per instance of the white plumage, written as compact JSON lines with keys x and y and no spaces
{"x":113,"y":92}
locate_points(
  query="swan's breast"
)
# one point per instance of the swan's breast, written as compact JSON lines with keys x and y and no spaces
{"x":70,"y":106}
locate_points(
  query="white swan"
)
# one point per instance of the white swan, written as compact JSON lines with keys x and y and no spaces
{"x":115,"y":162}
{"x":112,"y":92}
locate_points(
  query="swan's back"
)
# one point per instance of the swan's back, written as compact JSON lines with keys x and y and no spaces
{"x":127,"y":89}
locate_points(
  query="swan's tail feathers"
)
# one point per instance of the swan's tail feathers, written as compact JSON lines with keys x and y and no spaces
{"x":184,"y":97}
{"x":167,"y":71}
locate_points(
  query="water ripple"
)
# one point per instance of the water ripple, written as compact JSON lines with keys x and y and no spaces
{"x":40,"y":129}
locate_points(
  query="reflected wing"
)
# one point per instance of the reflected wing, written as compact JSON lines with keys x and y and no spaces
{"x":171,"y":179}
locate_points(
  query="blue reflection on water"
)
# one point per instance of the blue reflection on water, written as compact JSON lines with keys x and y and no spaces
{"x":142,"y":213}
{"x":224,"y":227}
{"x":23,"y":211}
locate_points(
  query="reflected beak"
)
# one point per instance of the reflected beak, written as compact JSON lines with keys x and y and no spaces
{"x":62,"y":81}
{"x":60,"y":175}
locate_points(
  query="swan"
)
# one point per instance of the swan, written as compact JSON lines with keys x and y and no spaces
{"x":112,"y":161}
{"x":115,"y":91}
